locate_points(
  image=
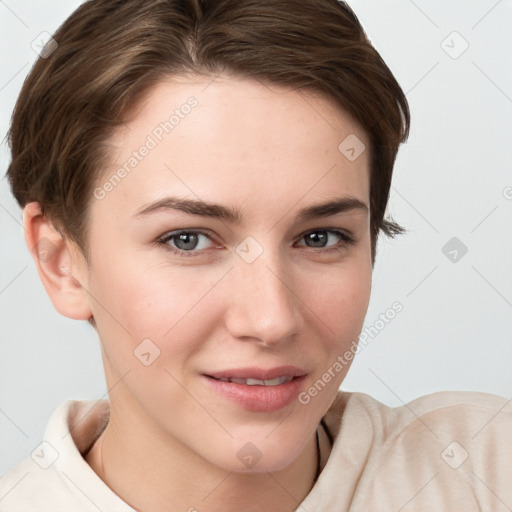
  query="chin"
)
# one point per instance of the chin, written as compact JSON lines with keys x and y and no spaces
{"x":251,"y":454}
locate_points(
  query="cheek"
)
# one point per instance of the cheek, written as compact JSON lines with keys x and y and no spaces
{"x":340,"y":299}
{"x":164,"y":305}
{"x":342,"y":303}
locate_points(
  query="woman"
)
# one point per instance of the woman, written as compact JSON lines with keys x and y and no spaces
{"x":205,"y":183}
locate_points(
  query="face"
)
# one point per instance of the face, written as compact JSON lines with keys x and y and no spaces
{"x":222,"y":329}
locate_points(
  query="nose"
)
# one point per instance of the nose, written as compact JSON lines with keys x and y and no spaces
{"x":265,"y":307}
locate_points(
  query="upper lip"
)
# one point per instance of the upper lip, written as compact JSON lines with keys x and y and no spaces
{"x":258,"y":373}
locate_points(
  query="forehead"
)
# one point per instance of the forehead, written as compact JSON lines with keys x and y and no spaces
{"x":236,"y":139}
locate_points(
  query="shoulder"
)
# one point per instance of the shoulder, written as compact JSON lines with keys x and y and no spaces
{"x":55,"y":476}
{"x":453,"y":448}
{"x":32,"y":487}
{"x":454,"y":411}
{"x":457,"y":421}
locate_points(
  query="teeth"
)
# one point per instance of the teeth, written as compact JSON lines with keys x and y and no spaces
{"x":257,"y":382}
{"x":249,"y":382}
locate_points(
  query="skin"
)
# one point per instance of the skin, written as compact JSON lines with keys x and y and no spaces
{"x":171,"y":442}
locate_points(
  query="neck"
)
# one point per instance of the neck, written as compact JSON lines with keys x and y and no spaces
{"x":163,"y":479}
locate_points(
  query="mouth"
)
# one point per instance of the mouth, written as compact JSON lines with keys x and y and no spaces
{"x":256,"y":389}
{"x":257,"y":382}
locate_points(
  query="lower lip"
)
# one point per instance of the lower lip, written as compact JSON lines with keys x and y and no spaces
{"x":259,"y":398}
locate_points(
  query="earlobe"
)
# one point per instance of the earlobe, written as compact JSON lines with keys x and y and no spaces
{"x":57,"y":264}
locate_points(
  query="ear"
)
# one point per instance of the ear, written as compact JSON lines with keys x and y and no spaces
{"x":58,"y":262}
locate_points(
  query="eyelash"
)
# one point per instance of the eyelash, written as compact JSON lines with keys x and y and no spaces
{"x":347,"y":240}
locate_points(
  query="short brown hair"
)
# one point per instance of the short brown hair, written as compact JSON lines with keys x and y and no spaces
{"x":110,"y":53}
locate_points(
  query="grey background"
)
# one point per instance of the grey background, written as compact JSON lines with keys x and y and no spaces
{"x":452,"y":179}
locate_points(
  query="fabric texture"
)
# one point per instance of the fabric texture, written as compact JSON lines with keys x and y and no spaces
{"x":447,"y":451}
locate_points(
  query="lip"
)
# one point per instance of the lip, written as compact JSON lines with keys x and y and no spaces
{"x":258,"y":398}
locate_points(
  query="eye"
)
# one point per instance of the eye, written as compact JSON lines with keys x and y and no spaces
{"x":188,"y":242}
{"x":319,"y":237}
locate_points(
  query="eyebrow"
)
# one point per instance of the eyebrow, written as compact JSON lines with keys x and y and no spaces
{"x":234,"y":216}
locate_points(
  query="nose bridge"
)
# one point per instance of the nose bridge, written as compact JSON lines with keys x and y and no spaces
{"x":264,"y":305}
